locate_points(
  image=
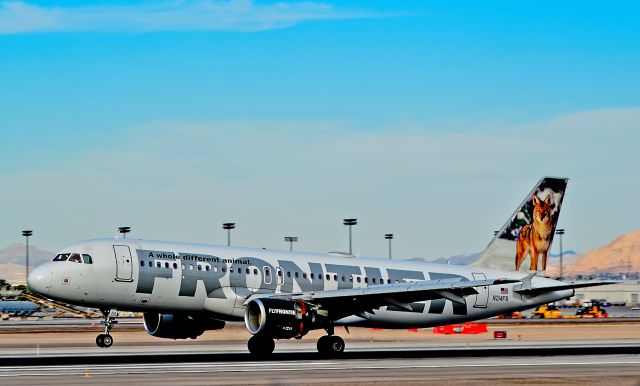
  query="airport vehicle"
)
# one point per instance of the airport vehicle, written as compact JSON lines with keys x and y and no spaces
{"x":547,"y":311}
{"x":185,"y":289}
{"x":595,"y":310}
{"x":511,"y":315}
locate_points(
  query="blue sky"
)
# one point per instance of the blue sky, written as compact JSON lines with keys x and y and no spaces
{"x":430,"y":120}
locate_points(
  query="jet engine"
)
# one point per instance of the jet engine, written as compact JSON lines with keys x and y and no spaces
{"x":279,"y":319}
{"x":177,"y":326}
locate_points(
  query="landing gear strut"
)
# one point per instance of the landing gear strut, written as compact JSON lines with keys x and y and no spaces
{"x":260,"y":345}
{"x":330,"y":344}
{"x":106,"y":340}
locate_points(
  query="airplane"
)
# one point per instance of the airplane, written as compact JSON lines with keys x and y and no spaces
{"x":184,"y":289}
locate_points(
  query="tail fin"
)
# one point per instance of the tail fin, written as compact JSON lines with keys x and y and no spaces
{"x":524,"y":241}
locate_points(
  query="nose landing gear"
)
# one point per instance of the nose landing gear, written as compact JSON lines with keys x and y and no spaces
{"x":106,"y":340}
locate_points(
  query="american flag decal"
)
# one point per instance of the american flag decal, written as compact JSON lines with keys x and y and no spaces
{"x":504,"y":291}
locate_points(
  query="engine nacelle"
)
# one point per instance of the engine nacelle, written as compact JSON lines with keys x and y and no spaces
{"x":280,"y":319}
{"x":177,"y":326}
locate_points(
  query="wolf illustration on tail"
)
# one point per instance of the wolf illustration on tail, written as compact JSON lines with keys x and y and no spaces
{"x":534,"y":239}
{"x":529,"y":231}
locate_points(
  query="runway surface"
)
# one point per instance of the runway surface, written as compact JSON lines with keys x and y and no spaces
{"x":584,"y":370}
{"x":533,"y":354}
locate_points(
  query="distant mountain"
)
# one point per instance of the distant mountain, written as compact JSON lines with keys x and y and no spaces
{"x":15,"y":254}
{"x":12,"y":261}
{"x":620,"y":256}
{"x":455,"y":260}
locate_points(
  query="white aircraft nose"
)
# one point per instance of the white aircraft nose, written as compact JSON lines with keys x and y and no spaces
{"x":40,"y":279}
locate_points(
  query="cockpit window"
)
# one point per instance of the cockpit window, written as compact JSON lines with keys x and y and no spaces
{"x":61,"y":257}
{"x":75,"y":258}
{"x":87,"y":259}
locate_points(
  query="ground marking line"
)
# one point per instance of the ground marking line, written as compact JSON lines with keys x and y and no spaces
{"x":79,"y":370}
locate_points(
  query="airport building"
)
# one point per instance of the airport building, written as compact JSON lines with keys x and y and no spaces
{"x":625,"y":293}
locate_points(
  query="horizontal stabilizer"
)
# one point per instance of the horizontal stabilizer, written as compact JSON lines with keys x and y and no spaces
{"x":574,"y":285}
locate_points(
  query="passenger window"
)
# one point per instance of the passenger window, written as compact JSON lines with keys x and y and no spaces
{"x":342,"y":278}
{"x":224,"y":269}
{"x":141,"y":263}
{"x":358,"y":279}
{"x":319,"y":276}
{"x":230,"y":269}
{"x":304,"y":275}
{"x":175,"y":265}
{"x":280,"y":273}
{"x":297,"y":274}
{"x":311,"y":275}
{"x":207,"y":267}
{"x":166,"y":264}
{"x":366,"y":280}
{"x":158,"y":264}
{"x":87,"y":259}
{"x":335,"y":277}
{"x":328,"y":277}
{"x":373,"y":280}
{"x":191,"y":267}
{"x":267,"y":272}
{"x":248,"y":271}
{"x":199,"y":267}
{"x":215,"y":268}
{"x":288,"y":273}
{"x":255,"y":271}
{"x":75,"y":258}
{"x":150,"y":263}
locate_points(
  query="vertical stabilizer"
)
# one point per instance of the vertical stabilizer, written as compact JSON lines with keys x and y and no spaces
{"x":523,"y":242}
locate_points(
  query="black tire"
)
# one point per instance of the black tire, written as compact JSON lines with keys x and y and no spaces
{"x":261,"y":345}
{"x":107,"y":341}
{"x":323,"y":346}
{"x":330,"y":345}
{"x":100,"y":340}
{"x":336,"y":344}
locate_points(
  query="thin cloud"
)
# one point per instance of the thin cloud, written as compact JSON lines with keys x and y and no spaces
{"x":18,"y":17}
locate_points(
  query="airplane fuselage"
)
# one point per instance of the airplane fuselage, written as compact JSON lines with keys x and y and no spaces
{"x":173,"y":277}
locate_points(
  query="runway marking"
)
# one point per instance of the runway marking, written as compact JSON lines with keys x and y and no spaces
{"x":264,"y":367}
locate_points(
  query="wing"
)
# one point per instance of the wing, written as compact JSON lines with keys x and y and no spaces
{"x":344,"y":302}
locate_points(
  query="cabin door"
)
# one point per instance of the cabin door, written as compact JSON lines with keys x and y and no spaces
{"x":124,"y":264}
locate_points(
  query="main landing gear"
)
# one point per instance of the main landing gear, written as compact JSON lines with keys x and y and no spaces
{"x":260,"y":345}
{"x":330,"y":344}
{"x":106,"y":340}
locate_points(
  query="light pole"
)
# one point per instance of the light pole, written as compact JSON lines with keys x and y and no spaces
{"x":389,"y":236}
{"x":560,"y":232}
{"x":291,"y":240}
{"x":229,"y":226}
{"x":124,"y":231}
{"x":26,"y":234}
{"x":350,"y":222}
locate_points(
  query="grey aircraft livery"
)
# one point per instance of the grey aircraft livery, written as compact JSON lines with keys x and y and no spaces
{"x":184,"y":289}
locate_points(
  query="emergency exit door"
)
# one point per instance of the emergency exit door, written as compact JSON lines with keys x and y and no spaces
{"x":124,"y":264}
{"x":482,"y":298}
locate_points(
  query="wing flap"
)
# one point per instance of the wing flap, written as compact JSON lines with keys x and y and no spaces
{"x":351,"y":301}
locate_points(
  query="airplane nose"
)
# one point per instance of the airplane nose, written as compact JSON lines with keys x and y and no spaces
{"x":40,"y":279}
